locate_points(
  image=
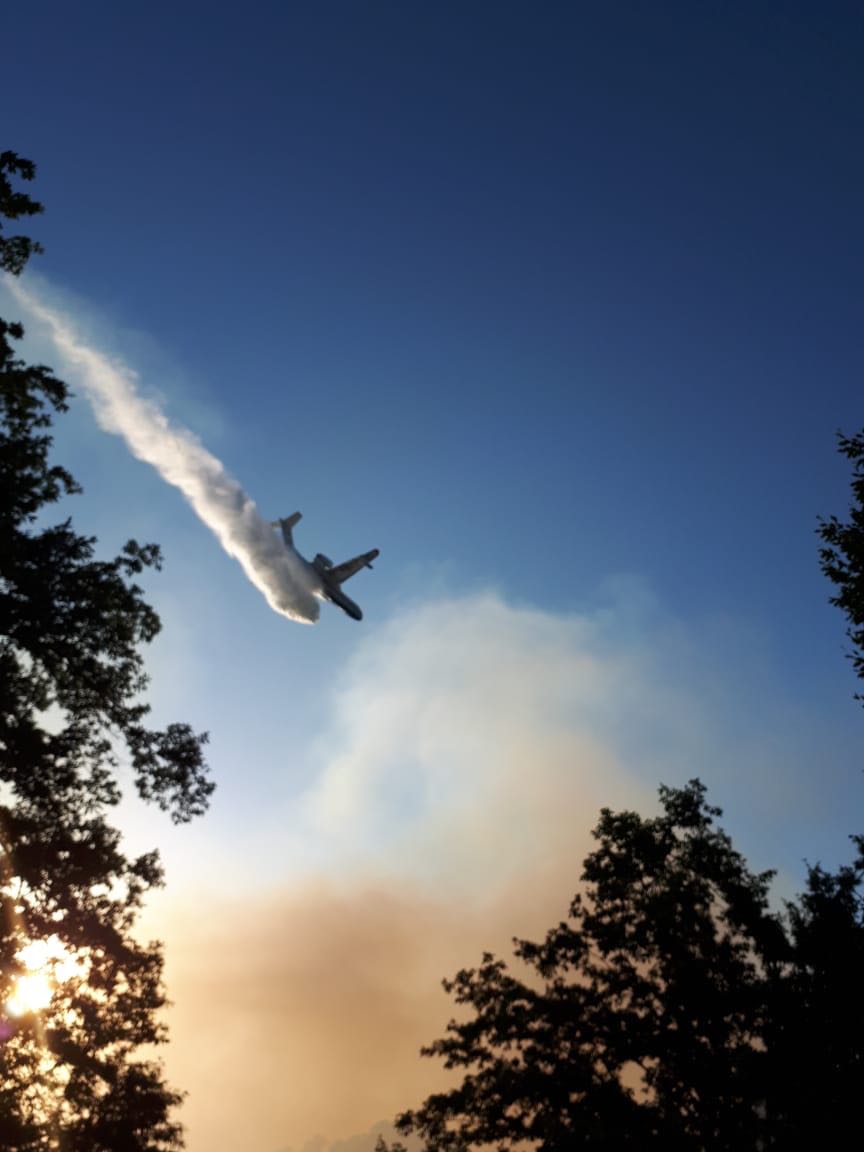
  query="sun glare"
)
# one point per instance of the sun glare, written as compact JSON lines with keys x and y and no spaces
{"x":47,"y":964}
{"x":32,"y":993}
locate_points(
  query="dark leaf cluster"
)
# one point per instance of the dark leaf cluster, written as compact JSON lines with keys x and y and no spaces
{"x":15,"y":251}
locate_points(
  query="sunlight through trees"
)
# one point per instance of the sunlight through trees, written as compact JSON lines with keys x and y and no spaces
{"x":81,"y":995}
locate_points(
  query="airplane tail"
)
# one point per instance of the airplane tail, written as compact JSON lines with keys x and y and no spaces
{"x":286,"y":524}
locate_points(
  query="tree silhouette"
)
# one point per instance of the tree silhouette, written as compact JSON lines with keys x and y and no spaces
{"x":72,"y":1076}
{"x":673,"y":1009}
{"x":15,"y":251}
{"x":842,"y":557}
{"x":815,"y":1035}
{"x":637,"y":1023}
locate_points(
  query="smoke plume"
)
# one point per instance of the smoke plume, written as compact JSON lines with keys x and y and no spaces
{"x":180,"y":458}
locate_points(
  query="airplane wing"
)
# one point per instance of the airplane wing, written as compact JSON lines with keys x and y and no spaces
{"x":342,"y":572}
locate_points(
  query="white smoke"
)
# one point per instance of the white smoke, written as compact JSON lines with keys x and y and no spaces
{"x":180,"y":458}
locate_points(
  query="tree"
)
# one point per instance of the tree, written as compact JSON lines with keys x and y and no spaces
{"x":815,"y":1035}
{"x":71,"y":723}
{"x":15,"y":251}
{"x":637,"y":1023}
{"x":673,"y":1009}
{"x":842,"y":556}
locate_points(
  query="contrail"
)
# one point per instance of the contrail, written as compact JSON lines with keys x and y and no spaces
{"x":180,"y":458}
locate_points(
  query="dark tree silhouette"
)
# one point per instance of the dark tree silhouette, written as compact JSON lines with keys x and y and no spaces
{"x":815,"y":1035}
{"x":637,"y":1023}
{"x":842,"y":556}
{"x":15,"y":251}
{"x":673,"y":1009}
{"x":72,"y":1076}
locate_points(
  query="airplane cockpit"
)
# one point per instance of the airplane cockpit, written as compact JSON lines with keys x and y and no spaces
{"x":322,"y":562}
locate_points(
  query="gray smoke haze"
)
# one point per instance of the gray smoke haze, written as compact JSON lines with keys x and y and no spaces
{"x":468,"y":747}
{"x":180,"y":458}
{"x":461,"y":768}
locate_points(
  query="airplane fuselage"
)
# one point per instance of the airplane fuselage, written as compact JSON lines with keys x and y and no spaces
{"x":325,"y":580}
{"x":331,"y":590}
{"x":326,"y":589}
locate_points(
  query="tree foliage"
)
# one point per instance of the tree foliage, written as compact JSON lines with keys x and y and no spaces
{"x":842,"y":554}
{"x":638,"y":1022}
{"x":72,"y":724}
{"x":672,"y":1010}
{"x":816,"y":1027}
{"x":15,"y":251}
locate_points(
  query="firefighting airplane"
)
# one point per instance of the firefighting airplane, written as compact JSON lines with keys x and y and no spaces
{"x":325,"y":576}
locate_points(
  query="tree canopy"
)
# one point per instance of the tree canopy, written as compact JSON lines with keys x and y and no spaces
{"x":676,"y":1008}
{"x":673,"y":1009}
{"x":72,"y":725}
{"x":842,"y":554}
{"x":639,"y":1021}
{"x":15,"y":251}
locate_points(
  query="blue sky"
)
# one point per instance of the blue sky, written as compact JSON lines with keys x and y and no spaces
{"x":558,"y":305}
{"x":575,"y":265}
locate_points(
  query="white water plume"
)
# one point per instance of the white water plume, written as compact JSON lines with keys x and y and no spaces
{"x":180,"y":458}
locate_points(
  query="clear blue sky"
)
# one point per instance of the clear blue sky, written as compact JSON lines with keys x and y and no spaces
{"x":561,"y":300}
{"x":585,"y":276}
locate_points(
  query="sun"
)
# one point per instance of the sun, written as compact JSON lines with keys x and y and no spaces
{"x":47,"y":964}
{"x":31,"y":992}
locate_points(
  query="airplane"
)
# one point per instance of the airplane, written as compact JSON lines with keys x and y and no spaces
{"x":327,"y":577}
